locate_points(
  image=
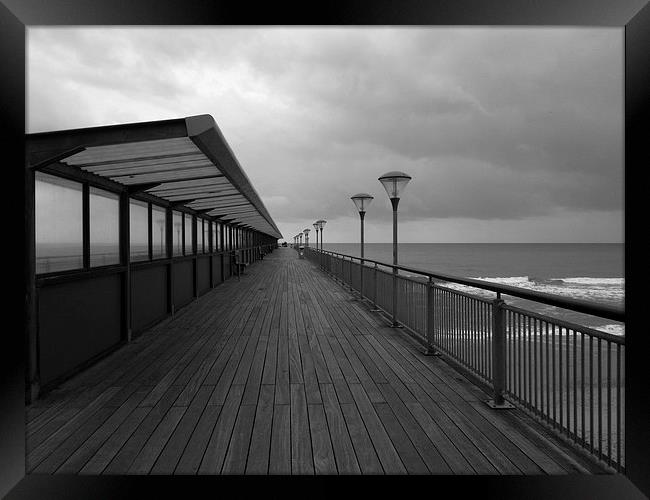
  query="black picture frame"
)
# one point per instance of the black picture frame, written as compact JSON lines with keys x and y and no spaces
{"x":634,"y":15}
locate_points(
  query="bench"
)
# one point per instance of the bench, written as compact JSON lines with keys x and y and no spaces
{"x":240,"y":265}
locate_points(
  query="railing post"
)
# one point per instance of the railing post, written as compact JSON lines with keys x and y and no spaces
{"x":374,"y":295}
{"x":361,"y":266}
{"x":430,"y":350}
{"x":498,"y":355}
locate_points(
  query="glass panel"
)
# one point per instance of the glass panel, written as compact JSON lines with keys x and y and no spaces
{"x":177,"y":220}
{"x":159,"y":232}
{"x":104,"y":228}
{"x":206,"y":236}
{"x":59,"y":228}
{"x":139,"y":230}
{"x":215,"y":237}
{"x":188,"y":235}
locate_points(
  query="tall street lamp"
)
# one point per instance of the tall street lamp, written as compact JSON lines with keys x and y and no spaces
{"x":394,"y":183}
{"x":321,"y":225}
{"x":316,"y":231}
{"x":361,"y":200}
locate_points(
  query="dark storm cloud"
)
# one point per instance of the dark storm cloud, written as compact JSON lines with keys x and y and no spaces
{"x":493,"y":123}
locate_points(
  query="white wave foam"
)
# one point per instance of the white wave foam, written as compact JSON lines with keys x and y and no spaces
{"x":596,"y":289}
{"x":614,"y":329}
{"x":512,"y":281}
{"x":596,"y":281}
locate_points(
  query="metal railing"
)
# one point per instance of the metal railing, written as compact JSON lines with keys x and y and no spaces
{"x":568,"y":375}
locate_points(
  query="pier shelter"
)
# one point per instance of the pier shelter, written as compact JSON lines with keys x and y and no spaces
{"x":126,"y":225}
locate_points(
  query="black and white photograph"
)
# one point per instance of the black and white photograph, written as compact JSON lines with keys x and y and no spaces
{"x":325,"y":250}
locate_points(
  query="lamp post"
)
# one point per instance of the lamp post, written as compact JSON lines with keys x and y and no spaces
{"x":316,"y":231}
{"x":306,"y":231}
{"x":321,"y":224}
{"x":394,"y":183}
{"x":361,"y":200}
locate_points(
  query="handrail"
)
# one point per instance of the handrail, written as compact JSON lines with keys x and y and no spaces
{"x":601,"y":310}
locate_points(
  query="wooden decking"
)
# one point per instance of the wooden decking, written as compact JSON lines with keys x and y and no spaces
{"x":282,"y":372}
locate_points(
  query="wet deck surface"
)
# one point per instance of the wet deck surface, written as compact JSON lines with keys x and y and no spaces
{"x":282,"y":372}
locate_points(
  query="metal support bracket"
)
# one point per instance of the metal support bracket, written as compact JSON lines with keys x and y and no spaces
{"x":503,"y":406}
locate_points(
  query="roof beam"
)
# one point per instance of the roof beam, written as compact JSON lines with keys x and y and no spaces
{"x":138,"y":188}
{"x":58,"y":157}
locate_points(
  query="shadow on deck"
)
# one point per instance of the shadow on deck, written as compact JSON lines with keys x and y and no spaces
{"x":282,"y":372}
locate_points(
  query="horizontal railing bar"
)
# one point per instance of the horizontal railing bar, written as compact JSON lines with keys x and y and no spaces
{"x":600,"y":310}
{"x":571,"y":326}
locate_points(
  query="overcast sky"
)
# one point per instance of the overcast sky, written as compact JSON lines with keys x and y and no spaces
{"x":510,"y":134}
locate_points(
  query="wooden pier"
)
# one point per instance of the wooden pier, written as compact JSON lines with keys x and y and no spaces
{"x":282,"y":372}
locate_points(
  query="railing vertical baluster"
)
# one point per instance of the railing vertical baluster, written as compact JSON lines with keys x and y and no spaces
{"x":609,"y":405}
{"x":600,"y":412}
{"x":582,"y":386}
{"x":529,"y":364}
{"x":575,"y":385}
{"x":509,"y":364}
{"x":447,"y":323}
{"x":560,"y":384}
{"x":591,"y":394}
{"x":484,"y":341}
{"x":461,"y":314}
{"x":541,"y":366}
{"x":520,"y":390}
{"x":568,"y":380}
{"x":548,"y":370}
{"x":618,"y":407}
{"x":473,"y":329}
{"x":535,"y":364}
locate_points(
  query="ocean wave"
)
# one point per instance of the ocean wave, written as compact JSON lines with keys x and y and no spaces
{"x":614,"y":329}
{"x":609,"y":290}
{"x":620,"y":282}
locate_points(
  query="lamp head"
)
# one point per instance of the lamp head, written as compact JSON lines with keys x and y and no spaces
{"x":394,"y":183}
{"x":362,"y":200}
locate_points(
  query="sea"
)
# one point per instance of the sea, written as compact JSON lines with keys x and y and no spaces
{"x":587,"y":271}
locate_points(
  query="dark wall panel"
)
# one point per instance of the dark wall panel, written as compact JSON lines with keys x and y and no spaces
{"x":183,"y":283}
{"x":226,"y":267}
{"x":77,"y":321}
{"x":148,"y":296}
{"x":216,"y":270}
{"x":203,"y":274}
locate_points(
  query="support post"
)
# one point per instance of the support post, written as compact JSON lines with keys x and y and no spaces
{"x":395,"y":324}
{"x":169,"y":252}
{"x":195,"y":255}
{"x":430,"y":350}
{"x":498,"y":355}
{"x":374,"y":295}
{"x":362,"y":216}
{"x":32,"y":388}
{"x":125,"y":250}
